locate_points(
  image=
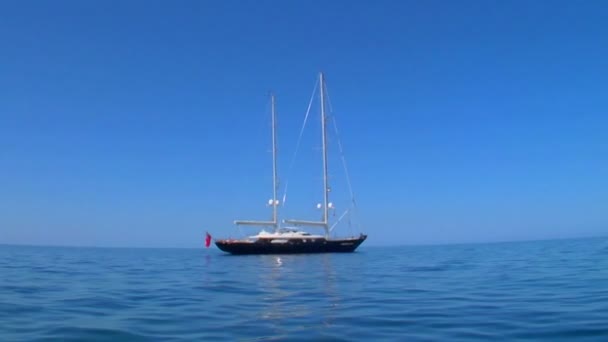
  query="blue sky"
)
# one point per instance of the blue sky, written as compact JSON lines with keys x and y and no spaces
{"x":146,"y":123}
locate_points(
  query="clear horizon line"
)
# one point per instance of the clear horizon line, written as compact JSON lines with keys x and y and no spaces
{"x":368,"y":245}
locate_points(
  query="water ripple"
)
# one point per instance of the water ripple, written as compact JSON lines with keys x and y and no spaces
{"x":551,"y":290}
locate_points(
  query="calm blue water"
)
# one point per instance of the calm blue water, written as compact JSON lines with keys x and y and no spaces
{"x":551,"y":290}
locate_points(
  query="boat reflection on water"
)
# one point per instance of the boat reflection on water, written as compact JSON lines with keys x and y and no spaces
{"x":332,"y":297}
{"x":309,"y":297}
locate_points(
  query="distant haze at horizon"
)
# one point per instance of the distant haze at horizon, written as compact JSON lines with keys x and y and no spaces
{"x":146,"y":124}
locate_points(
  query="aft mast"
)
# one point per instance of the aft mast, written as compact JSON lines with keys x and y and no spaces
{"x":325,"y":220}
{"x":272,"y":202}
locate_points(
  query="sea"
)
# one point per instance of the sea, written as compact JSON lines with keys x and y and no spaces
{"x":519,"y":291}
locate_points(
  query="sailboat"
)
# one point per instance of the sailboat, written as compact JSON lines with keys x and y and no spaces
{"x":291,"y":240}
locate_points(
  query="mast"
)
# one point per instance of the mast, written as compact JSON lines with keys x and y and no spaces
{"x":325,"y":220}
{"x":274,"y":164}
{"x":324,"y":142}
{"x":273,"y":202}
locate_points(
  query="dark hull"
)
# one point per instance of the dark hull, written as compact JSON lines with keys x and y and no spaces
{"x":292,"y":246}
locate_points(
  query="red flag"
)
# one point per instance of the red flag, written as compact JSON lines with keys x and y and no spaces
{"x":207,"y":240}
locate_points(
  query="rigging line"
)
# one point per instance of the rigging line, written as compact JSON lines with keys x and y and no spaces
{"x":293,"y":159}
{"x":343,"y":157}
{"x":350,"y":188}
{"x":339,"y":219}
{"x":331,"y":109}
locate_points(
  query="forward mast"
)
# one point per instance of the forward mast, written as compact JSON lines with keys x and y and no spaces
{"x":273,"y":201}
